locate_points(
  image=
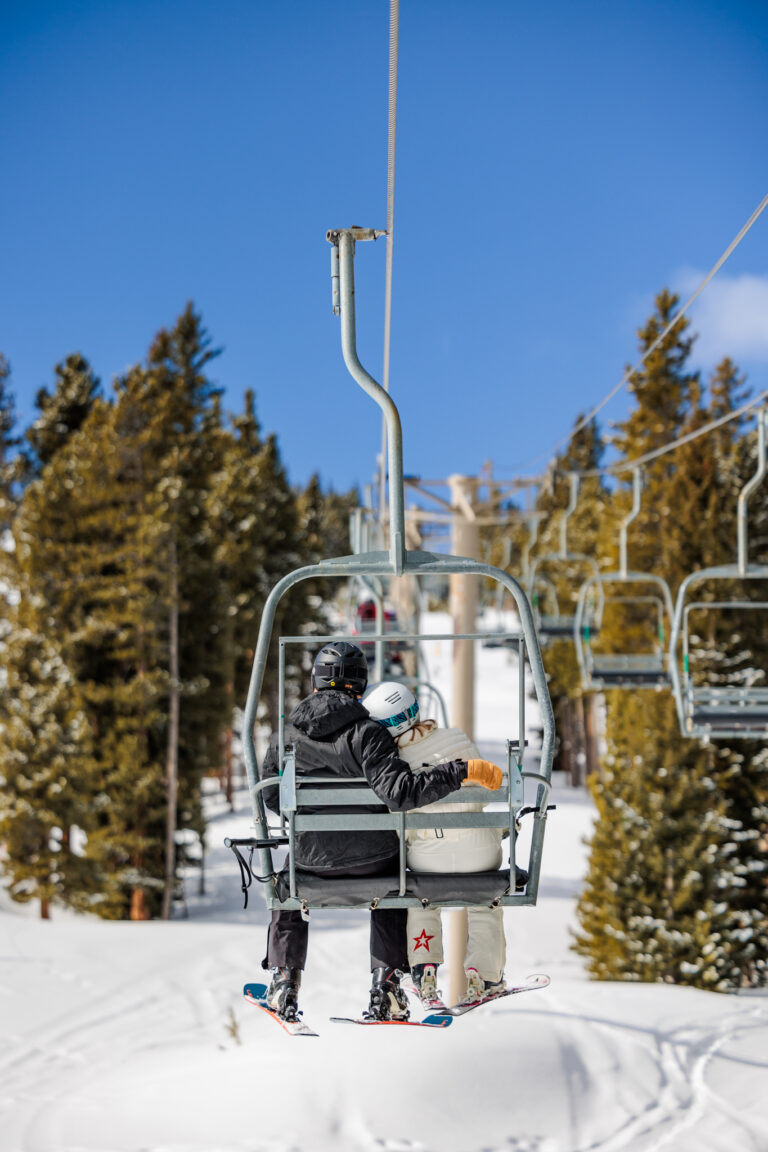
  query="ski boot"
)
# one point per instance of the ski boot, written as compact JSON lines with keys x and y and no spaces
{"x":425,"y":981}
{"x":388,"y":1001}
{"x":283,"y":993}
{"x":479,"y":989}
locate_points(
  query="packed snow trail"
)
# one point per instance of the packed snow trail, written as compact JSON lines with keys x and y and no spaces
{"x":125,"y":1037}
{"x":118,"y":1037}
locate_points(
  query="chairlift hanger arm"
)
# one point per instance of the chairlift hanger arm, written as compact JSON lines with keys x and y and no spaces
{"x":343,"y":242}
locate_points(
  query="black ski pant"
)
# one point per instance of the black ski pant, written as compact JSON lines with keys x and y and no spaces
{"x":288,"y":934}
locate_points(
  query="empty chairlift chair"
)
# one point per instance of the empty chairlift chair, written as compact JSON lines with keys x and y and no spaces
{"x":551,"y":622}
{"x":738,"y":708}
{"x":649,"y":668}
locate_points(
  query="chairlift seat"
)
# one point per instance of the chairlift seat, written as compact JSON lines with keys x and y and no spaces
{"x":722,"y":722}
{"x":437,"y":888}
{"x":624,"y":671}
{"x":555,"y":626}
{"x":729,"y":710}
{"x":313,"y":803}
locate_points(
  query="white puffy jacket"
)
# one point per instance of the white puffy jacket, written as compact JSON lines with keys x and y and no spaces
{"x":447,"y":849}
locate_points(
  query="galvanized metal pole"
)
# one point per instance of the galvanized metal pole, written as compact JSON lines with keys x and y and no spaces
{"x":636,"y":489}
{"x":344,"y":239}
{"x":748,"y":489}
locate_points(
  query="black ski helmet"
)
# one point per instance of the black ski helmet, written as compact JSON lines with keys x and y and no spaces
{"x":341,"y":665}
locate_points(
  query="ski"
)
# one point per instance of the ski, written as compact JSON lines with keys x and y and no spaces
{"x":256,"y":994}
{"x":530,"y":984}
{"x":442,"y":1021}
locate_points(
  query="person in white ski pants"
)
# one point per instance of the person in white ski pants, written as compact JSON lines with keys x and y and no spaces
{"x":421,"y":743}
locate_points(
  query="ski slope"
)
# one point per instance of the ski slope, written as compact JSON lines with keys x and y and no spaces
{"x":118,"y":1037}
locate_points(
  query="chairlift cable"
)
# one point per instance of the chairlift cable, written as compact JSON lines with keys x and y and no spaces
{"x":394,"y":29}
{"x":625,"y":466}
{"x":662,"y":336}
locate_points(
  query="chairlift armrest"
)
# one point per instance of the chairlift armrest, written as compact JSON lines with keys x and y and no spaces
{"x":254,"y":842}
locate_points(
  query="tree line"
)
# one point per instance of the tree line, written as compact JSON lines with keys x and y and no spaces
{"x":677,"y":881}
{"x":140,"y":534}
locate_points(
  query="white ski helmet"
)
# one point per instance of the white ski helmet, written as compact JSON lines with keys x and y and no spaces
{"x":393,"y":705}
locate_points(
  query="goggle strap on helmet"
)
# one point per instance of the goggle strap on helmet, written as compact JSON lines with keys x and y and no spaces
{"x":401,"y":717}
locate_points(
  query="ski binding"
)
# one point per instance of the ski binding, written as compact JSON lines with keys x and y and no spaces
{"x":530,"y":984}
{"x":257,"y":994}
{"x":441,"y":1021}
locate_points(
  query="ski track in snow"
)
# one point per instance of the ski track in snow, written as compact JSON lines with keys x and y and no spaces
{"x":135,"y":1038}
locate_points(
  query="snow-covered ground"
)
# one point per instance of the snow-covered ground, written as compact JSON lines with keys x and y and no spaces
{"x":118,"y":1037}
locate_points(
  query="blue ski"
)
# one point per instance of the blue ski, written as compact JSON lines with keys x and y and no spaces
{"x":256,"y":994}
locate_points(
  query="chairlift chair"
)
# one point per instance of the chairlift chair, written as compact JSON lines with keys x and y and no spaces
{"x":718,"y":711}
{"x":553,"y":624}
{"x":601,"y":671}
{"x":738,"y":709}
{"x":525,"y":792}
{"x":631,"y":670}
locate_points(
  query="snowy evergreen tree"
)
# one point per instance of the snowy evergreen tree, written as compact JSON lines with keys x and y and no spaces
{"x":46,"y":768}
{"x":62,"y":411}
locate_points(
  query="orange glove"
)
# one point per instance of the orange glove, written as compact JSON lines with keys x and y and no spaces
{"x":484,"y":773}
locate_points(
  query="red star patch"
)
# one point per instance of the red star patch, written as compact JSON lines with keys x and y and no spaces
{"x":422,"y":941}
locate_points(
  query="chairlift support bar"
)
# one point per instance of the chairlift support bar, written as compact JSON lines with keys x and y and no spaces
{"x":749,"y":488}
{"x":360,"y":537}
{"x":637,"y":483}
{"x":343,"y":242}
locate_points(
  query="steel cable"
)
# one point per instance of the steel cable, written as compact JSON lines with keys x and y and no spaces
{"x":394,"y":31}
{"x":662,"y":336}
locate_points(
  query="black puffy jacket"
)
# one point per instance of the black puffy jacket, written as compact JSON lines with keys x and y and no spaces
{"x":334,"y":736}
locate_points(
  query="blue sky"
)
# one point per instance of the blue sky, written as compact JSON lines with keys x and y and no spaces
{"x":558,"y":164}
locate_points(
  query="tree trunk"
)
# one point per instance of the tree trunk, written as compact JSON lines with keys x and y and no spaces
{"x":229,"y":791}
{"x":172,"y":761}
{"x":593,"y":734}
{"x":139,"y":909}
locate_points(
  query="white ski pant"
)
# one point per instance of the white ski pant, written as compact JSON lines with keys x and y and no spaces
{"x":486,"y":947}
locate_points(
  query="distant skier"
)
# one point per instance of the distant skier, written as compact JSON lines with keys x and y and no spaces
{"x":333,"y":734}
{"x":422,"y":743}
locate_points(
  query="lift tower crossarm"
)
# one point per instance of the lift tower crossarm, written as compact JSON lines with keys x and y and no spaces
{"x":343,"y":275}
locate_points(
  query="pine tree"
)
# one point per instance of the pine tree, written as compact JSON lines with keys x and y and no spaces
{"x":47,"y":765}
{"x":8,"y":443}
{"x":9,"y":472}
{"x":62,"y":411}
{"x":176,"y":419}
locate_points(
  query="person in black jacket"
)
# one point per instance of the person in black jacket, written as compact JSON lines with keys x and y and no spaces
{"x":333,"y":734}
